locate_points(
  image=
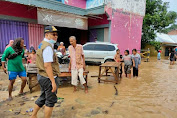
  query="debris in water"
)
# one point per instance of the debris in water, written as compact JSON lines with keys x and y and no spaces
{"x":30,"y":110}
{"x":116,"y":90}
{"x":10,"y":110}
{"x":58,"y":105}
{"x":73,"y":108}
{"x":60,"y":98}
{"x":112,"y":104}
{"x":32,"y":98}
{"x":105,"y":112}
{"x":94,"y":112}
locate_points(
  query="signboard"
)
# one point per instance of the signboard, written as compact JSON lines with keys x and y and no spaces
{"x":61,"y":19}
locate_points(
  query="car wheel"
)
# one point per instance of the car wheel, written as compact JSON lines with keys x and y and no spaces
{"x":109,"y":60}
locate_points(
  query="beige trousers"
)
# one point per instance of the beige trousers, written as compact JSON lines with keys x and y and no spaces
{"x":74,"y":76}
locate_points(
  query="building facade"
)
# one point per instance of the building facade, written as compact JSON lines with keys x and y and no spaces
{"x":115,"y":21}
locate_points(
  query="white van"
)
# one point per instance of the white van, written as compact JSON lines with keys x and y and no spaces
{"x":99,"y":51}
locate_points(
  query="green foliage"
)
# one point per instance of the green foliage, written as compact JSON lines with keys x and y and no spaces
{"x":157,"y":18}
{"x":172,"y":27}
{"x":156,"y":44}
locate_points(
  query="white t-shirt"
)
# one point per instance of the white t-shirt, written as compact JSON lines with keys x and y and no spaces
{"x":48,"y":53}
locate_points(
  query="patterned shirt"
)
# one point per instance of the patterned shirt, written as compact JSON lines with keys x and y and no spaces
{"x":76,"y":56}
{"x":127,"y":60}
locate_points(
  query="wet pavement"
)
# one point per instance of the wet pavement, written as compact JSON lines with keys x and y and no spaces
{"x":152,"y":95}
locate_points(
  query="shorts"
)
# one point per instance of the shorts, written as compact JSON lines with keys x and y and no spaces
{"x":127,"y":69}
{"x":13,"y":75}
{"x":74,"y":76}
{"x":172,"y":59}
{"x":47,"y":97}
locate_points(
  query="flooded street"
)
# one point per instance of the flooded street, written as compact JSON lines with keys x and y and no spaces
{"x":152,"y":95}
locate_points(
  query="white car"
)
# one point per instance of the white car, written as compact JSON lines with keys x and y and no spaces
{"x":99,"y":51}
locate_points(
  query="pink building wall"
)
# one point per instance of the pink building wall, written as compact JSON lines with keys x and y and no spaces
{"x":76,"y":3}
{"x":126,"y":29}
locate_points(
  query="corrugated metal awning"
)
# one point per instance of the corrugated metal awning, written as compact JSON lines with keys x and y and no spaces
{"x":164,"y":38}
{"x":59,"y":6}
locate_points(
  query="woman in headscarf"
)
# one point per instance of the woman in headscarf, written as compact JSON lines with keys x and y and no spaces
{"x":10,"y":44}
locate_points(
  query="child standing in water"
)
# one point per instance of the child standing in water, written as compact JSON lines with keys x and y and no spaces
{"x":127,"y":63}
{"x":118,"y":59}
{"x":136,"y":62}
{"x":32,"y":57}
{"x":158,"y":56}
{"x":117,"y":56}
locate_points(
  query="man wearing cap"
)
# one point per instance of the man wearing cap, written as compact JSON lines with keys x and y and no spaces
{"x":48,"y":67}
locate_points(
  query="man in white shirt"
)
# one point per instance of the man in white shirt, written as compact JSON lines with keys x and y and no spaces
{"x":48,"y":67}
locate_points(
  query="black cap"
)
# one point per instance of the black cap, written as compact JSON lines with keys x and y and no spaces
{"x":50,"y":29}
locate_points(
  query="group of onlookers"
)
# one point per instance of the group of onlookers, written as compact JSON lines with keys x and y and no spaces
{"x":172,"y":55}
{"x":130,"y":61}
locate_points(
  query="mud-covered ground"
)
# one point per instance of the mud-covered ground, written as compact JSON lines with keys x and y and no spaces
{"x":152,"y":95}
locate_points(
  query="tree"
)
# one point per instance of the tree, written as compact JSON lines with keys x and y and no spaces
{"x":172,"y":27}
{"x":156,"y":44}
{"x":157,"y":19}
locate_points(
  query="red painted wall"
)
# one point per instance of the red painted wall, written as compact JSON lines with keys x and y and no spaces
{"x":96,"y":21}
{"x":76,"y":3}
{"x":126,"y":30}
{"x":18,"y":10}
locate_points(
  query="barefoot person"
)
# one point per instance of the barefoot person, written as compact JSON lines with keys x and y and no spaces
{"x":136,"y":62}
{"x":77,"y":63}
{"x":14,"y":54}
{"x":48,"y":67}
{"x":127,"y":63}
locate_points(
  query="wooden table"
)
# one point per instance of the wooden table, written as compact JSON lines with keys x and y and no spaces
{"x":108,"y":66}
{"x":32,"y":75}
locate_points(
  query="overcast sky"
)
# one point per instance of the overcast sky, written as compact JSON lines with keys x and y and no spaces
{"x":172,"y":5}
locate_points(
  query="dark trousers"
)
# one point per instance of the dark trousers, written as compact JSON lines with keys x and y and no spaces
{"x":47,"y":97}
{"x":135,"y":72}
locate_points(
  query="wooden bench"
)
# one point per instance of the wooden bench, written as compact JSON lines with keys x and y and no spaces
{"x":31,"y":70}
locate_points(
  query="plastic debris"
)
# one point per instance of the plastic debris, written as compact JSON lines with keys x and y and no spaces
{"x":32,"y":98}
{"x":30,"y":110}
{"x":60,"y":98}
{"x":10,"y":110}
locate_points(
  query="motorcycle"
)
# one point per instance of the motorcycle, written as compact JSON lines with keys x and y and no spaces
{"x":63,"y":59}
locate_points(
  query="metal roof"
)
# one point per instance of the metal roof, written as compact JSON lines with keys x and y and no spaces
{"x":59,"y":6}
{"x":164,"y":38}
{"x":174,"y":38}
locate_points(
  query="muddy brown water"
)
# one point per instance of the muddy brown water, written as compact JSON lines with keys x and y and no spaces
{"x":152,"y":95}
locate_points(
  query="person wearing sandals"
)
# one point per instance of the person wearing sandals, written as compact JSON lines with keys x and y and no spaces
{"x":14,"y":54}
{"x":48,"y":72}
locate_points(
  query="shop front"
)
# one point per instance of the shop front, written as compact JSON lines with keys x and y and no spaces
{"x":66,"y":23}
{"x":21,"y":22}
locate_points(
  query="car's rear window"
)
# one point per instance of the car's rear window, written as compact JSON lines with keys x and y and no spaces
{"x":111,"y":48}
{"x":89,"y":47}
{"x":101,"y":47}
